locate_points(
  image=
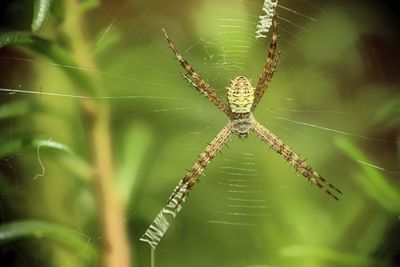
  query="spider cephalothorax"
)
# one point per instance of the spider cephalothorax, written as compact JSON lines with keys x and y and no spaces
{"x":242,"y":123}
{"x":242,"y":101}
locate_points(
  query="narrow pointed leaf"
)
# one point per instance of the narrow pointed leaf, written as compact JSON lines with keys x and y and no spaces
{"x":89,"y":4}
{"x":57,"y":10}
{"x":54,"y":52}
{"x":32,"y":229}
{"x":133,"y":156}
{"x":373,"y":181}
{"x":41,"y":10}
{"x":11,"y":147}
{"x":10,"y":38}
{"x":13,"y":109}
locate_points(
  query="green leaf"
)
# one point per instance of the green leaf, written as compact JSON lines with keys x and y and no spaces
{"x":325,"y":254}
{"x":73,"y":163}
{"x":9,"y":38}
{"x":13,"y":109}
{"x":388,"y":116}
{"x":66,"y":62}
{"x":78,"y":167}
{"x":57,"y":54}
{"x":76,"y":241}
{"x":87,"y":5}
{"x":373,"y":182}
{"x":41,"y":10}
{"x":14,"y":146}
{"x":133,"y":155}
{"x":57,"y":9}
{"x":391,"y":108}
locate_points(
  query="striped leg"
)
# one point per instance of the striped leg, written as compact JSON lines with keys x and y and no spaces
{"x":161,"y":224}
{"x":197,"y":82}
{"x":269,"y":67}
{"x":301,"y":166}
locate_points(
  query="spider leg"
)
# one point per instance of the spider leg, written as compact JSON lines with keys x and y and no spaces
{"x":198,"y":168}
{"x":293,"y":159}
{"x":198,"y":83}
{"x":160,"y":224}
{"x":270,"y":66}
{"x":193,"y":84}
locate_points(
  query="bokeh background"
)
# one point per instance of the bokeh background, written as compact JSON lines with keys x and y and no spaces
{"x":112,"y":128}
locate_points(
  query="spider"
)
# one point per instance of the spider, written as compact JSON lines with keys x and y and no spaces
{"x":242,"y":102}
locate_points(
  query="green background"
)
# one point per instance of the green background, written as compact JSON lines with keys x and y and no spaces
{"x":334,"y":99}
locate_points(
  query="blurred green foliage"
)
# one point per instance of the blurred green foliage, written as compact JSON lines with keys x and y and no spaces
{"x":10,"y":232}
{"x":330,"y":79}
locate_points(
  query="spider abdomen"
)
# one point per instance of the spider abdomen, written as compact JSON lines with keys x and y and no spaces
{"x":240,"y":95}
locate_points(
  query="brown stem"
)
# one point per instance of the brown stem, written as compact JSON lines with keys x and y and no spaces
{"x":115,"y":250}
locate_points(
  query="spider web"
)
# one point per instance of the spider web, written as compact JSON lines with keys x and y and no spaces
{"x":249,"y":200}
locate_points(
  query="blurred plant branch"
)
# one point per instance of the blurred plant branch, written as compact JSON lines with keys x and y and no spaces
{"x":115,"y":249}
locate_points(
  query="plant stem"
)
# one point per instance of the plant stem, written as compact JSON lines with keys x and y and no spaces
{"x":115,"y":248}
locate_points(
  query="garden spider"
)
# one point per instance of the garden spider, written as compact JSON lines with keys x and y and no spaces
{"x":242,"y":101}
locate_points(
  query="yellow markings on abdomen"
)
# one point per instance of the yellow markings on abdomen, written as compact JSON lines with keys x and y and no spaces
{"x":240,"y":95}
